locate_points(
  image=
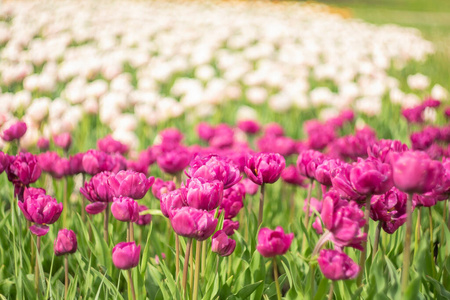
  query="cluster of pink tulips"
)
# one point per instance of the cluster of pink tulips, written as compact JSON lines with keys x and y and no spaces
{"x":356,"y":177}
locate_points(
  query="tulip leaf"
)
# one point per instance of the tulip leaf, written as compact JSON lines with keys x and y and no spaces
{"x":171,"y":284}
{"x":322,"y":289}
{"x":439,"y":289}
{"x":153,"y":212}
{"x":413,"y":289}
{"x":271,"y":289}
{"x":146,"y":251}
{"x":247,"y":290}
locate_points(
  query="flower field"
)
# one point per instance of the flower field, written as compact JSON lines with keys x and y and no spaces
{"x":220,"y":150}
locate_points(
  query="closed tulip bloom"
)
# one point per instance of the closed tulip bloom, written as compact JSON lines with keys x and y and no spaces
{"x":46,"y":160}
{"x":389,"y":208}
{"x":249,"y":126}
{"x":193,"y":223}
{"x":126,"y":255}
{"x":63,"y":140}
{"x":14,"y":132}
{"x":340,"y":178}
{"x":222,"y":244}
{"x":95,"y":161}
{"x":161,"y":187}
{"x":232,"y":201}
{"x":292,"y":175}
{"x":205,"y":131}
{"x":223,"y":137}
{"x":125,"y":209}
{"x":212,"y":168}
{"x":323,"y":171}
{"x":229,"y":226}
{"x":4,"y":161}
{"x":319,"y":135}
{"x":170,"y":138}
{"x":202,"y":194}
{"x":109,"y":145}
{"x":308,"y":161}
{"x":76,"y":164}
{"x":415,"y":172}
{"x":143,"y":219}
{"x":130,"y":184}
{"x":371,"y":177}
{"x":273,"y":242}
{"x":42,"y":210}
{"x":31,"y":191}
{"x":265,"y":167}
{"x":97,"y":191}
{"x":174,"y":161}
{"x":337,"y":265}
{"x":65,"y":242}
{"x":273,"y":129}
{"x":43,"y":144}
{"x":251,"y":188}
{"x":61,"y":168}
{"x":172,"y":201}
{"x":278,"y":144}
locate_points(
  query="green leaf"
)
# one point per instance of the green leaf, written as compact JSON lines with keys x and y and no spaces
{"x":145,"y":254}
{"x":247,"y":290}
{"x":439,"y":289}
{"x":322,"y":289}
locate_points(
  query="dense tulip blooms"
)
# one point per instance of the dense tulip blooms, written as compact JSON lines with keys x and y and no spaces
{"x":193,"y":223}
{"x":273,"y":129}
{"x":222,"y":244}
{"x":371,"y":177}
{"x":251,"y":188}
{"x":170,"y":138}
{"x":172,"y":200}
{"x":277,"y":144}
{"x":344,"y":220}
{"x":233,"y":200}
{"x":414,"y":114}
{"x":308,"y":161}
{"x":292,"y":175}
{"x":174,"y":161}
{"x":390,"y":209}
{"x":63,"y":140}
{"x":223,"y":137}
{"x":46,"y":160}
{"x":43,"y":144}
{"x":61,"y":168}
{"x":23,"y":169}
{"x":315,"y":205}
{"x":324,"y":170}
{"x":205,"y":131}
{"x":125,"y":209}
{"x":229,"y":226}
{"x":42,"y":210}
{"x":342,"y":184}
{"x":130,"y":184}
{"x":415,"y":172}
{"x":109,"y":145}
{"x":202,"y":194}
{"x":137,"y":166}
{"x":4,"y":161}
{"x":319,"y":135}
{"x":14,"y":132}
{"x":126,"y":255}
{"x":249,"y":126}
{"x":143,"y":219}
{"x":381,"y":149}
{"x":337,"y":265}
{"x":65,"y":242}
{"x":95,"y":161}
{"x":31,"y":191}
{"x":428,"y":199}
{"x":97,"y":191}
{"x":161,"y":187}
{"x":212,"y":167}
{"x":273,"y":242}
{"x":265,"y":167}
{"x":445,"y":184}
{"x":421,"y":140}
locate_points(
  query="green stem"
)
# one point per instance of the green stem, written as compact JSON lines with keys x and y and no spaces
{"x":204,"y":258}
{"x":65,"y":205}
{"x":66,"y":275}
{"x":362,"y":259}
{"x":292,"y":203}
{"x":261,"y":205}
{"x":377,"y":239}
{"x":275,"y":275}
{"x":36,"y":266}
{"x":197,"y":269}
{"x":186,"y":264}
{"x":330,"y":294}
{"x":417,"y":232}
{"x":430,"y":217}
{"x":177,"y":254}
{"x":230,"y":262}
{"x":83,"y":201}
{"x":130,"y":279}
{"x":308,"y":202}
{"x":191,"y":269}
{"x":131,"y":229}
{"x":444,"y":215}
{"x":407,"y":250}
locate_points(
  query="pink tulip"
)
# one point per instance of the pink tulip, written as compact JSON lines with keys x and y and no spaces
{"x":97,"y":191}
{"x":174,"y":161}
{"x":390,"y":209}
{"x":172,"y":201}
{"x":251,"y":188}
{"x":292,"y":175}
{"x":273,"y":242}
{"x":264,"y":167}
{"x":125,"y":209}
{"x":222,"y":244}
{"x":14,"y":132}
{"x":109,"y":145}
{"x":337,"y":265}
{"x":232,"y":201}
{"x":308,"y":161}
{"x":63,"y":140}
{"x":193,"y":223}
{"x":130,"y":184}
{"x":65,"y":242}
{"x":126,"y":255}
{"x":371,"y":177}
{"x":143,"y":219}
{"x":230,"y":226}
{"x":43,"y":144}
{"x":204,"y":195}
{"x":161,"y":187}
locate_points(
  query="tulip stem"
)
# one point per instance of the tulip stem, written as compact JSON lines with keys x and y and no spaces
{"x":308,"y":202}
{"x":444,"y":216}
{"x":130,"y":279}
{"x":131,"y":231}
{"x":36,"y":266}
{"x":261,"y":205}
{"x":275,"y":275}
{"x":33,"y":249}
{"x":204,"y":258}
{"x":177,"y":254}
{"x":105,"y":224}
{"x":230,"y":263}
{"x":65,"y":205}
{"x":186,"y":264}
{"x":66,"y":275}
{"x":330,"y":294}
{"x":362,"y":259}
{"x":191,"y":269}
{"x":377,"y":239}
{"x":417,"y":232}
{"x":197,"y":268}
{"x":430,"y":216}
{"x":406,"y":249}
{"x":83,"y":201}
{"x":292,"y":203}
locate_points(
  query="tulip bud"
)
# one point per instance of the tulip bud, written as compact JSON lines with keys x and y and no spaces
{"x":65,"y":242}
{"x":229,"y":226}
{"x":204,"y":195}
{"x":193,"y":223}
{"x":63,"y":140}
{"x":273,"y":242}
{"x":109,"y":145}
{"x":43,"y":144}
{"x":143,"y":219}
{"x":174,"y":161}
{"x":232,"y":201}
{"x":222,"y":244}
{"x":172,"y":201}
{"x":125,"y":209}
{"x":337,"y":265}
{"x":308,"y":161}
{"x":292,"y":175}
{"x":126,"y":255}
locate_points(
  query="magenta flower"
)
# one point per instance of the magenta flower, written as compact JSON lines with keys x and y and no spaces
{"x":14,"y":132}
{"x":264,"y":167}
{"x":324,"y":170}
{"x":97,"y":191}
{"x":161,"y":187}
{"x":222,"y":244}
{"x":42,"y":210}
{"x":232,"y":201}
{"x":273,"y":242}
{"x":130,"y":184}
{"x":205,"y":131}
{"x":212,"y":168}
{"x":126,"y":255}
{"x":249,"y":126}
{"x":65,"y":242}
{"x":63,"y":140}
{"x":428,"y":199}
{"x":273,"y":129}
{"x":174,"y":161}
{"x":223,"y":137}
{"x":371,"y":177}
{"x":308,"y":161}
{"x":138,"y":166}
{"x":43,"y":144}
{"x":95,"y":161}
{"x":172,"y":201}
{"x":292,"y":175}
{"x":125,"y":209}
{"x":319,"y":135}
{"x":251,"y":188}
{"x":4,"y":161}
{"x":143,"y":219}
{"x":381,"y":149}
{"x":23,"y":169}
{"x":202,"y":194}
{"x":229,"y":226}
{"x":170,"y":138}
{"x":390,"y":209}
{"x":193,"y":223}
{"x":109,"y":145}
{"x":415,"y":114}
{"x":76,"y":164}
{"x":31,"y":192}
{"x":344,"y":220}
{"x":278,"y":144}
{"x":415,"y":172}
{"x":342,"y":184}
{"x":337,"y":265}
{"x":46,"y":160}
